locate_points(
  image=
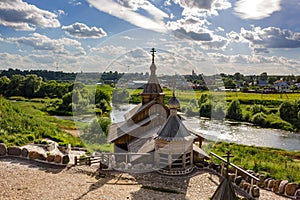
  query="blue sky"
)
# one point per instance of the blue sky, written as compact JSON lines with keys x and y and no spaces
{"x":208,"y":36}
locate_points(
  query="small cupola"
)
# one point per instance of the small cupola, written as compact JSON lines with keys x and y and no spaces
{"x":173,"y":102}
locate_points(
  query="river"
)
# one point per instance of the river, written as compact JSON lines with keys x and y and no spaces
{"x":231,"y":132}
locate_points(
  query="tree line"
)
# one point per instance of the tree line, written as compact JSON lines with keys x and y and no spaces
{"x":265,"y":113}
{"x":32,"y":86}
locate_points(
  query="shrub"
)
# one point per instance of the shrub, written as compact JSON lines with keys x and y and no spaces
{"x":257,"y":108}
{"x":287,"y":111}
{"x":259,"y":119}
{"x":205,"y":109}
{"x":218,"y":111}
{"x":203,"y":98}
{"x":234,"y":110}
{"x":246,"y":116}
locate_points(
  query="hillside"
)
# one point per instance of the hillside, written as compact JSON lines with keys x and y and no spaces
{"x":19,"y":127}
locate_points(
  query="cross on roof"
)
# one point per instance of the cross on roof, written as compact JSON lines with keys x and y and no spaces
{"x":152,"y":51}
{"x":228,"y":156}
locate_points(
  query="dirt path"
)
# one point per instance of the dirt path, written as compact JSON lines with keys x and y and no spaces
{"x":25,"y":180}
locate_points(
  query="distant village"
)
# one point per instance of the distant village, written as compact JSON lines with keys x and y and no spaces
{"x":262,"y":83}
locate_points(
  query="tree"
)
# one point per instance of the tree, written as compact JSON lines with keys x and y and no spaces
{"x":234,"y":110}
{"x":15,"y":86}
{"x":32,"y":84}
{"x":205,"y":109}
{"x":289,"y":112}
{"x":4,"y":82}
{"x":229,"y":83}
{"x":264,"y":76}
{"x":99,"y":95}
{"x":238,"y":76}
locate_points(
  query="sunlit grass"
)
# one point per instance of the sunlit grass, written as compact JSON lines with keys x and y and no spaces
{"x":276,"y":163}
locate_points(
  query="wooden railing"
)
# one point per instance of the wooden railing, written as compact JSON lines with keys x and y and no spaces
{"x":105,"y":159}
{"x":237,"y":168}
{"x":87,"y":160}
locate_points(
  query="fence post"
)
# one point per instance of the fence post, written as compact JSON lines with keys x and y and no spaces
{"x":222,"y":168}
{"x":236,"y":173}
{"x":75,"y":160}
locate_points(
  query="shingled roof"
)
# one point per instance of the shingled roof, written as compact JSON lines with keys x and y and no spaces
{"x":174,"y":130}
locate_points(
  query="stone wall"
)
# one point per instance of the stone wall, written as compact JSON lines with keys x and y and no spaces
{"x":23,"y":152}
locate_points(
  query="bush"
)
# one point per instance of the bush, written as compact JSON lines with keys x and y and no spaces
{"x":203,"y":98}
{"x":257,"y":109}
{"x":259,"y":119}
{"x":289,"y":111}
{"x":246,"y":116}
{"x":205,"y":109}
{"x":218,"y":111}
{"x":234,"y":110}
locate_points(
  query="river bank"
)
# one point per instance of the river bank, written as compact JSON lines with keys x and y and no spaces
{"x":220,"y":130}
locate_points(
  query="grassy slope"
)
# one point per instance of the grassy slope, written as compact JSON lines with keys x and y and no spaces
{"x":23,"y":122}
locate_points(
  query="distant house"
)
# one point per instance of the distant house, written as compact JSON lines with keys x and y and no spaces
{"x":297,"y":84}
{"x":282,"y":86}
{"x":262,"y":83}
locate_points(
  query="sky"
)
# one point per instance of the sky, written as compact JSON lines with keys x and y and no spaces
{"x":207,"y":36}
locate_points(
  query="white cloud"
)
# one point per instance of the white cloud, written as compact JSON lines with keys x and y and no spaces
{"x":23,"y":16}
{"x":254,"y":64}
{"x":49,"y":61}
{"x":41,"y":42}
{"x":191,"y":27}
{"x":111,"y":50}
{"x":195,"y":29}
{"x":258,"y":9}
{"x":217,"y":43}
{"x":202,"y":8}
{"x":75,"y":2}
{"x":60,"y":12}
{"x":233,"y":36}
{"x":252,"y":59}
{"x":80,"y":30}
{"x":261,"y":39}
{"x":128,"y":11}
{"x":220,"y":29}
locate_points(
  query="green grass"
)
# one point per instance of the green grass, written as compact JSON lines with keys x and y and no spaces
{"x":35,"y":107}
{"x":99,"y":147}
{"x":22,"y":122}
{"x":275,"y":163}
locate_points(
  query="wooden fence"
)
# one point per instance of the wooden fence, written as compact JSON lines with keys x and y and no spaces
{"x":237,"y":169}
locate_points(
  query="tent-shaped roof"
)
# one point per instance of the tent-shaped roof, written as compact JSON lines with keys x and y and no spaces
{"x":225,"y":191}
{"x":174,"y":130}
{"x":153,"y":86}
